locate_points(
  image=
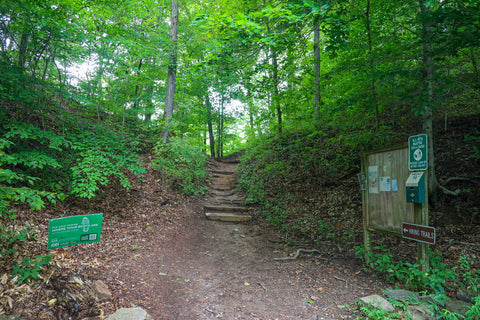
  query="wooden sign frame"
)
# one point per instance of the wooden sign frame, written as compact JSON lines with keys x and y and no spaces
{"x":385,"y":207}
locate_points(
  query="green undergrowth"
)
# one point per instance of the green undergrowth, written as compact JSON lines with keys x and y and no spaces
{"x":410,"y":275}
{"x":46,"y":163}
{"x":438,"y":282}
{"x":54,"y":147}
{"x":39,"y":165}
{"x":435,"y":309}
{"x":181,"y":165}
{"x":26,"y":269}
{"x":293,"y":176}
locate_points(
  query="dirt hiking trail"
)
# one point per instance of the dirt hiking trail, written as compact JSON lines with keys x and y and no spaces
{"x":178,"y":264}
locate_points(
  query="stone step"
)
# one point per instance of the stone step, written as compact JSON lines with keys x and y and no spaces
{"x":225,"y":173}
{"x":225,"y":208}
{"x":222,"y":193}
{"x":228,"y":216}
{"x":222,"y":183}
{"x":226,"y":197}
{"x":226,"y":202}
{"x":233,"y":161}
{"x":219,"y":180}
{"x":222,"y":188}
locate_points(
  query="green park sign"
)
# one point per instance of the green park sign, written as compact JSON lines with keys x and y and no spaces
{"x":69,"y":231}
{"x":418,"y":153}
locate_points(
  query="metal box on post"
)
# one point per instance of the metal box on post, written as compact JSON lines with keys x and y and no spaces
{"x":415,"y":186}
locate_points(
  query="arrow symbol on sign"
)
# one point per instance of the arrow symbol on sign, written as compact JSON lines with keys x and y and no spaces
{"x":405,"y":230}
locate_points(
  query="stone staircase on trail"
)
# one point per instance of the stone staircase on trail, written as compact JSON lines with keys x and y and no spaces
{"x":224,"y":203}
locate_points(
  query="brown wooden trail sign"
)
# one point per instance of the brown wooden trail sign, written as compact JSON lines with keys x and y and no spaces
{"x":418,"y":233}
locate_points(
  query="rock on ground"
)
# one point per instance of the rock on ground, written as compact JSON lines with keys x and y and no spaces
{"x":101,"y":289}
{"x":130,"y":314}
{"x":378,"y":302}
{"x":420,"y":312}
{"x":401,"y":294}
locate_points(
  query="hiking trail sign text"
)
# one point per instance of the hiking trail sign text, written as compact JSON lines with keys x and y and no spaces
{"x":69,"y":231}
{"x":418,"y":233}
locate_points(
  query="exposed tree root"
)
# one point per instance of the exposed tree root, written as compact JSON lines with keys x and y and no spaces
{"x":297,"y":254}
{"x":458,"y":191}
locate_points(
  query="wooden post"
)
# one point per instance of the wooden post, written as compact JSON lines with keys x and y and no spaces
{"x":421,"y":218}
{"x":367,"y":234}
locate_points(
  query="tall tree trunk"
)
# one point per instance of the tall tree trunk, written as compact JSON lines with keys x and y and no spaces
{"x":317,"y":96}
{"x":137,"y":87}
{"x":373,"y":87}
{"x":172,"y":71}
{"x":276,"y":93}
{"x":428,"y":102}
{"x":149,"y":107}
{"x":221,"y":124}
{"x":250,"y":113}
{"x":45,"y":69}
{"x":22,"y":50}
{"x":276,"y":81}
{"x":219,"y":143}
{"x":211,"y":136}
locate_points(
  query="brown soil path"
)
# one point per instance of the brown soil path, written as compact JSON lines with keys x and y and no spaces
{"x":203,"y":269}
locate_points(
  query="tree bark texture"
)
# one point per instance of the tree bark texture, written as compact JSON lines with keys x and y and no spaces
{"x":211,"y":136}
{"x":275,"y":90}
{"x":22,"y":50}
{"x":428,"y":101}
{"x":373,"y":86}
{"x":172,"y":71}
{"x":317,"y":97}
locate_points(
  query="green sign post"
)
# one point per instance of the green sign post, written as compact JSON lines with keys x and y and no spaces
{"x":69,"y":231}
{"x":418,"y":153}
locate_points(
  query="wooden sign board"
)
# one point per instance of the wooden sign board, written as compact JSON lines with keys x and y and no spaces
{"x":385,"y":205}
{"x":386,"y":174}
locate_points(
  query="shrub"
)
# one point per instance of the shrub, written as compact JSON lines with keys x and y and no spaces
{"x":183,"y":165}
{"x":409,"y":274}
{"x":29,"y":269}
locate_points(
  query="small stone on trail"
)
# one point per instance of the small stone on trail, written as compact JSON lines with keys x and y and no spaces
{"x":101,"y":290}
{"x":130,"y":314}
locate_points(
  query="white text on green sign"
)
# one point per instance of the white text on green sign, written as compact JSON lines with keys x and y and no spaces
{"x":418,"y":153}
{"x":69,"y":231}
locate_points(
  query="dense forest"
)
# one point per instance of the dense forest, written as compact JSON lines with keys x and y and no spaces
{"x":89,"y":88}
